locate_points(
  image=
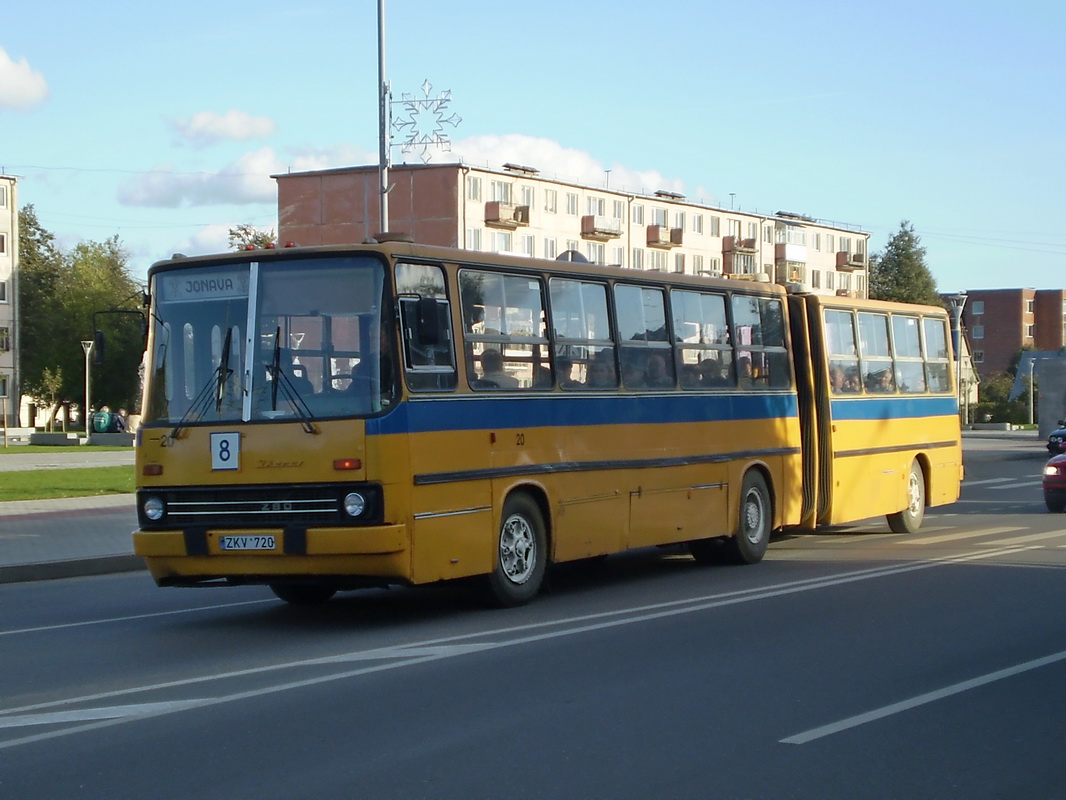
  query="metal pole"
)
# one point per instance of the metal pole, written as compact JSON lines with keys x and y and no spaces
{"x":958,"y":302}
{"x":87,"y":346}
{"x":1032,"y":389}
{"x":383,"y":122}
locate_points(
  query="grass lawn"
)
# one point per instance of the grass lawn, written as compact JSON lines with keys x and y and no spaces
{"x":24,"y":449}
{"x":42,"y":484}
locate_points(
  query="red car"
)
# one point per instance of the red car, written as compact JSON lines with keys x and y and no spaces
{"x":1055,"y":484}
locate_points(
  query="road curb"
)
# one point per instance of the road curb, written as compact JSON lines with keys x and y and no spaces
{"x":70,"y":568}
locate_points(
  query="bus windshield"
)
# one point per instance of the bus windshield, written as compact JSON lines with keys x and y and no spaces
{"x":245,"y":341}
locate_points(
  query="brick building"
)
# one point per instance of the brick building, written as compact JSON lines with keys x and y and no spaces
{"x":1000,"y":322}
{"x":516,"y":210}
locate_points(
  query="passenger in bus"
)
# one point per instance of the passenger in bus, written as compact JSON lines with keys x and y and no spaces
{"x":744,"y":371}
{"x":492,"y":371}
{"x":837,"y":379}
{"x":715,"y":373}
{"x":880,"y":382}
{"x":852,"y":384}
{"x":632,"y":376}
{"x":656,"y":373}
{"x":690,"y":377}
{"x":601,"y":373}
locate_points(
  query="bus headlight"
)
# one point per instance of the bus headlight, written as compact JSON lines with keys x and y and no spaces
{"x":154,"y":508}
{"x":354,"y":504}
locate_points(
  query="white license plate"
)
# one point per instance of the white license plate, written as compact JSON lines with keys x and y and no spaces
{"x":247,"y":543}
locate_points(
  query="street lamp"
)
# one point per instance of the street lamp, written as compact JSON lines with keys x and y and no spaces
{"x":958,"y":302}
{"x":87,"y":346}
{"x":1032,"y":388}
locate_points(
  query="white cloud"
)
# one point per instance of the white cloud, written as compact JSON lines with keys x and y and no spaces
{"x":207,"y":127}
{"x":21,"y":86}
{"x":209,"y":239}
{"x":246,"y":181}
{"x":554,"y":161}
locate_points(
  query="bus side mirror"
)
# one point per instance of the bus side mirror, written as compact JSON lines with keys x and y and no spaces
{"x":429,"y":321}
{"x":98,"y":348}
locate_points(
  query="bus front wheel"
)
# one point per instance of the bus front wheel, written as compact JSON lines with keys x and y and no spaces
{"x":909,"y":520}
{"x":521,"y":554}
{"x":302,"y":594}
{"x":748,"y":544}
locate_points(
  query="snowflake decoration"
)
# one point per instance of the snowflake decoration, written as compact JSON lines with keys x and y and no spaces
{"x":423,"y":121}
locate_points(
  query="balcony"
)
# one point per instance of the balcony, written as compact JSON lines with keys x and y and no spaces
{"x":737,"y":245}
{"x":850,"y":261}
{"x":505,"y":215}
{"x":600,"y":228}
{"x":663,"y":236}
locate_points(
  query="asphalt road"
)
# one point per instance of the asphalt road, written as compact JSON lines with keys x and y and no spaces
{"x":852,"y":664}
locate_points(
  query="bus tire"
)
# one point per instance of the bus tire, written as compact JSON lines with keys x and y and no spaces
{"x":521,"y":554}
{"x":754,"y":521}
{"x":302,"y":594}
{"x":909,"y":520}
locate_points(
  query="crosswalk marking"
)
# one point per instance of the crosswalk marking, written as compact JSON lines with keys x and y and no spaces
{"x":953,"y":537}
{"x":1031,"y":538}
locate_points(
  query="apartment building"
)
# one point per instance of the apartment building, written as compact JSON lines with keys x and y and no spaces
{"x":515,"y":210}
{"x":1000,"y":322}
{"x":9,"y":393}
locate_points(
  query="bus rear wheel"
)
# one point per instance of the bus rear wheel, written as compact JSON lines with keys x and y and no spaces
{"x":755,"y":520}
{"x":909,"y":520}
{"x":301,"y":594}
{"x":521,"y":554}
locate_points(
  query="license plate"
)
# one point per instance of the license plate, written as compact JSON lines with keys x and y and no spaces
{"x":247,"y":543}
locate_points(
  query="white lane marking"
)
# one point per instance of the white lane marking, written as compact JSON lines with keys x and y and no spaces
{"x":106,"y":620}
{"x":922,"y":699}
{"x":1019,"y":485}
{"x":965,"y":484}
{"x":1036,"y":537}
{"x":954,"y":537}
{"x":110,"y":712}
{"x":426,"y":651}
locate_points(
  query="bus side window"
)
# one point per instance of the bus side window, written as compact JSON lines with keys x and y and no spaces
{"x":425,"y":317}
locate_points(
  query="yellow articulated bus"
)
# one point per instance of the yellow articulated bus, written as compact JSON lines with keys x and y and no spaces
{"x":330,"y":418}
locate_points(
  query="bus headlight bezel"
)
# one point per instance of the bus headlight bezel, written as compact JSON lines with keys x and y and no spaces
{"x":355,"y":504}
{"x":154,"y":508}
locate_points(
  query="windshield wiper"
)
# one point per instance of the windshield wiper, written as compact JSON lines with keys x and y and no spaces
{"x":223,"y":371}
{"x":281,"y":380}
{"x":215,"y":388}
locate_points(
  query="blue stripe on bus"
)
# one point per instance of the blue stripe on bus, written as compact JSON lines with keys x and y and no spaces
{"x":895,"y":407}
{"x":481,"y":413}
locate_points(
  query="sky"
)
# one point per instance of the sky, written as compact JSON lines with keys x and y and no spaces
{"x":162,"y":123}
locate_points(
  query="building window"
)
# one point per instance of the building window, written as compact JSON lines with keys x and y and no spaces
{"x":473,"y":188}
{"x":3,"y":243}
{"x":500,"y":190}
{"x":697,"y":223}
{"x":618,"y":256}
{"x":501,"y":241}
{"x":572,"y":244}
{"x":733,"y":228}
{"x":679,"y":262}
{"x":657,"y":260}
{"x":3,"y":291}
{"x":816,"y":279}
{"x":5,"y":339}
{"x":550,"y":247}
{"x":978,"y":356}
{"x":526,"y":193}
{"x":597,"y":206}
{"x":716,"y":226}
{"x":595,"y":251}
{"x":619,"y":209}
{"x":768,"y":234}
{"x":3,"y":385}
{"x":697,"y":265}
{"x":550,"y":200}
{"x":638,"y":258}
{"x":1030,"y":331}
{"x":829,"y":247}
{"x":473,"y":238}
{"x":679,"y":220}
{"x":845,"y":245}
{"x":977,"y":331}
{"x":3,"y":197}
{"x":829,"y":280}
{"x":753,"y":230}
{"x":526,"y":245}
{"x":571,"y":203}
{"x":714,"y":266}
{"x":658,"y":217}
{"x":1029,"y":306}
{"x":638,"y":214}
{"x":978,"y":308}
{"x":816,"y":241}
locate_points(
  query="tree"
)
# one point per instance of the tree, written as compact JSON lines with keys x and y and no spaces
{"x":900,"y":272}
{"x":59,"y":293}
{"x":245,"y":234}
